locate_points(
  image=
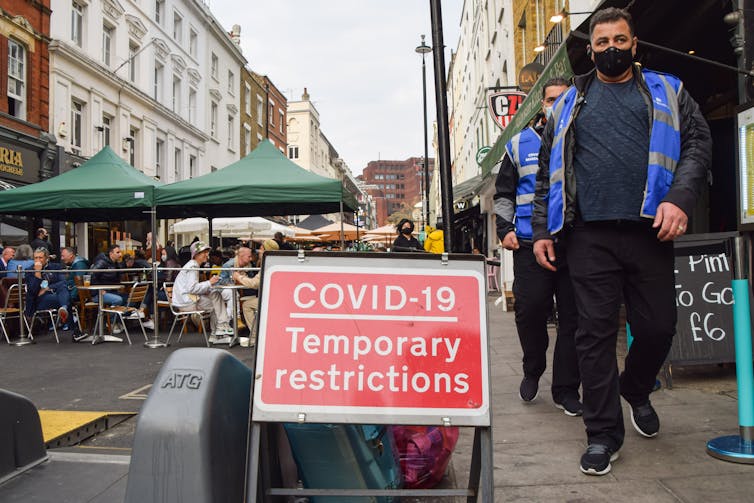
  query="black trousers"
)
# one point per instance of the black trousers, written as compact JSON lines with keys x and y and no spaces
{"x":610,"y":263}
{"x":533,"y":289}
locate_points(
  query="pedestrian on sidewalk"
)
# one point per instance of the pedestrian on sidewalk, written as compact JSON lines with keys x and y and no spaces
{"x":533,"y":286}
{"x":621,"y":167}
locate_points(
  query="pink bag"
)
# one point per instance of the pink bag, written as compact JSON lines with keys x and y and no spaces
{"x":424,"y":453}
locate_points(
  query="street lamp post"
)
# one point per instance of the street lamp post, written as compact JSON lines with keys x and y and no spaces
{"x":424,"y":49}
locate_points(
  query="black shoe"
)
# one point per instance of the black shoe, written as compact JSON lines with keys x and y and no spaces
{"x":78,"y":335}
{"x":645,"y":420}
{"x":529,"y":388}
{"x":597,"y":458}
{"x":570,"y":405}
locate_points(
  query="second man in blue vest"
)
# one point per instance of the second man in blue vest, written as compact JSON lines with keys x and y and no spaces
{"x":533,"y":286}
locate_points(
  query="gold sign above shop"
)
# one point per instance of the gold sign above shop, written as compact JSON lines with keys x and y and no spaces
{"x":18,"y":164}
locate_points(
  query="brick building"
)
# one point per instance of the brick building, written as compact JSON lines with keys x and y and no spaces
{"x":27,"y":151}
{"x":395,"y":185}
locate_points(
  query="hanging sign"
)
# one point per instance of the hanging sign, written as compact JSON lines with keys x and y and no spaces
{"x":504,"y":105}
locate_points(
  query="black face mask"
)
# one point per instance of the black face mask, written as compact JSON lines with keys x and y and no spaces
{"x":406,"y":231}
{"x":613,"y":61}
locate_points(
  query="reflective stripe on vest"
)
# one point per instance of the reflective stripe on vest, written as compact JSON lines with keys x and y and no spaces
{"x":523,"y":149}
{"x":664,"y":146}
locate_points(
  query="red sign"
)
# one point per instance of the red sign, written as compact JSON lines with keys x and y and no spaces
{"x":358,"y":341}
{"x":503,"y":106}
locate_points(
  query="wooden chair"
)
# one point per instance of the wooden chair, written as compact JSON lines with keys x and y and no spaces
{"x":11,"y":309}
{"x":87,"y":308}
{"x":131,"y":310}
{"x":163,"y":306}
{"x":184,"y":316}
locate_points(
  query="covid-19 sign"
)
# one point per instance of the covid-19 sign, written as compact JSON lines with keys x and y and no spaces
{"x":364,"y":339}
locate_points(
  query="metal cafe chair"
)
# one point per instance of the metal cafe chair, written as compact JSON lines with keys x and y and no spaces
{"x":42,"y":314}
{"x":131,"y":310}
{"x":184,"y":316}
{"x":12,"y":309}
{"x":163,"y":306}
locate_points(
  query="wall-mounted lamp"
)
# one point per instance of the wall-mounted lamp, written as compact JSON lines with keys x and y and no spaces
{"x":541,"y":47}
{"x":128,"y":141}
{"x":558,"y":18}
{"x":99,"y":128}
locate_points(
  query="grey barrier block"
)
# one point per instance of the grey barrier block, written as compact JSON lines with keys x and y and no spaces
{"x":21,"y":442}
{"x":191,"y":435}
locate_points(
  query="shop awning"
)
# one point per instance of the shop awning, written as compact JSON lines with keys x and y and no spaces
{"x":265,"y":182}
{"x":103,"y":188}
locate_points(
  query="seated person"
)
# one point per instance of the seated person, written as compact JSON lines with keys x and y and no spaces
{"x":109,"y":266}
{"x":22,"y":258}
{"x":190,"y":294}
{"x":72,"y":261}
{"x":250,"y":304}
{"x":8,"y":253}
{"x":46,"y":287}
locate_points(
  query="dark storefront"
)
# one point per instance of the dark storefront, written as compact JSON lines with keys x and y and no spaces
{"x":24,"y":159}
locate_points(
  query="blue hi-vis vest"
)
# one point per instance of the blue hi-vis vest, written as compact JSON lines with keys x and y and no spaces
{"x":523,"y":150}
{"x":664,"y":146}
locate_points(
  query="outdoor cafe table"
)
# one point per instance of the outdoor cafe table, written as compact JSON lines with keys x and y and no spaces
{"x":234,"y":296}
{"x":100,"y":336}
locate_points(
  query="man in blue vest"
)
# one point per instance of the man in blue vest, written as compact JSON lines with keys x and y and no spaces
{"x":533,"y":286}
{"x":622,"y":164}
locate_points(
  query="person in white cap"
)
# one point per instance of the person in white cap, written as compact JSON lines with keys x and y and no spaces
{"x":190,"y":294}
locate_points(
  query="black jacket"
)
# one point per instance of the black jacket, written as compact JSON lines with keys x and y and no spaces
{"x":111,"y":276}
{"x":404,"y":244}
{"x":690,"y":173}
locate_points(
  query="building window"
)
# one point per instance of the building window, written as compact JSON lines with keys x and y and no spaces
{"x":247,"y":138}
{"x":157,"y":91}
{"x":133,"y":133}
{"x":213,"y":120}
{"x":107,"y":41}
{"x":214,"y":68}
{"x":192,"y":106}
{"x":231,"y":83}
{"x":16,"y":79}
{"x":106,"y":124}
{"x":177,"y":157}
{"x":231,"y":132}
{"x":282,"y":119}
{"x":159,"y":152}
{"x":271,"y":114}
{"x":247,"y":99}
{"x":260,"y":110}
{"x":159,"y":9}
{"x":77,"y":24}
{"x":193,"y":42}
{"x":192,"y":166}
{"x":77,"y":117}
{"x":292,"y":151}
{"x":176,"y":94}
{"x":133,"y":50}
{"x":177,"y":27}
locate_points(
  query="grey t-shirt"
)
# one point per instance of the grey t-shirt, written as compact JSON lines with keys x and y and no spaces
{"x":612,"y":151}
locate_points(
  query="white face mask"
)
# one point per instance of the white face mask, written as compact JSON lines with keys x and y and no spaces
{"x":164,"y":258}
{"x":548,"y":112}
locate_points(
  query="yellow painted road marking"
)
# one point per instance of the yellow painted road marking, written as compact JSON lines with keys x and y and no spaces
{"x":56,"y":423}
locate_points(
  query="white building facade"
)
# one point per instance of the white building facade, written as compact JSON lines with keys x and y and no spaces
{"x":156,"y":80}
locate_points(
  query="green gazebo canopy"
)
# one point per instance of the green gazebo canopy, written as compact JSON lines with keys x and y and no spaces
{"x":264,"y":182}
{"x":103,"y":188}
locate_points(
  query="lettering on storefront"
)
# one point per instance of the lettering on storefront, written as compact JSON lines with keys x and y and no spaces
{"x":11,"y":161}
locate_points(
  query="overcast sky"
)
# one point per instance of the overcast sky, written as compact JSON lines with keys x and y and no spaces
{"x":357,"y":60}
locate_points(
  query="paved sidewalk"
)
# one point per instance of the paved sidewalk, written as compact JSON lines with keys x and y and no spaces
{"x":536,"y":446}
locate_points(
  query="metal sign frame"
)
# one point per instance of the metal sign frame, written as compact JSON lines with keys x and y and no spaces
{"x":265,"y":419}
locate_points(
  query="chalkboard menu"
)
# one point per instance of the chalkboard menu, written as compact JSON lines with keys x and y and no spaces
{"x":704,"y":300}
